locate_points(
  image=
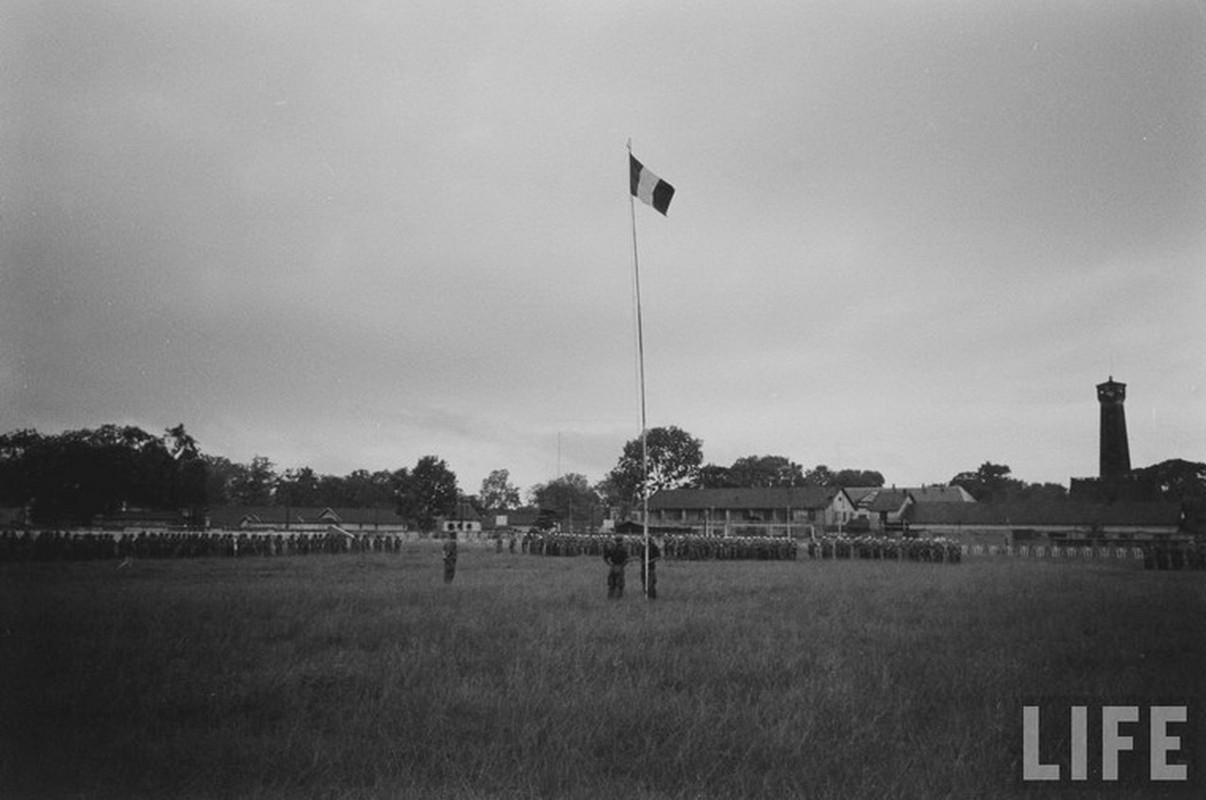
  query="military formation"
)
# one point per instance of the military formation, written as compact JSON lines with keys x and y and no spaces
{"x":880,"y":548}
{"x":57,"y":545}
{"x":685,"y":547}
{"x":676,"y":546}
{"x":76,"y":546}
{"x":1178,"y":555}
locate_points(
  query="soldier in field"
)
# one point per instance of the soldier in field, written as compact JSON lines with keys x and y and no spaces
{"x":615,"y":556}
{"x":649,"y":581}
{"x":450,"y":558}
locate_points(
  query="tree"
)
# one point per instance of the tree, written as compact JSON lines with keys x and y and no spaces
{"x":1175,"y":480}
{"x":1039,"y":492}
{"x":819,"y":476}
{"x":180,"y":444}
{"x":77,"y":475}
{"x":765,"y":471}
{"x":298,"y":487}
{"x":858,"y":477}
{"x":221,"y":476}
{"x":364,"y":489}
{"x":990,"y":483}
{"x":674,"y":459}
{"x":428,"y":491}
{"x":191,"y":472}
{"x":255,"y":485}
{"x":18,"y":470}
{"x":609,"y":493}
{"x":570,"y":498}
{"x":714,"y":476}
{"x":498,"y":492}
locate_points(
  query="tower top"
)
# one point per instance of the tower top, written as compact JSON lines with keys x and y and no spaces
{"x":1111,"y":391}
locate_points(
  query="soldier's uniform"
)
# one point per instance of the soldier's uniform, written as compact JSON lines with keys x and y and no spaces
{"x":450,"y":558}
{"x":615,"y":556}
{"x":649,"y":581}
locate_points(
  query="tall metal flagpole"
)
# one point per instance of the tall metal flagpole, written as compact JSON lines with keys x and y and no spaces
{"x":636,"y":271}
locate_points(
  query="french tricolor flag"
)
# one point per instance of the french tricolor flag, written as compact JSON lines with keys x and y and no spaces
{"x":649,"y":187}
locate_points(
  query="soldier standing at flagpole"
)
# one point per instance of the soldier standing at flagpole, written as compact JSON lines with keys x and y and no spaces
{"x":450,"y":557}
{"x":650,"y":555}
{"x":615,"y":556}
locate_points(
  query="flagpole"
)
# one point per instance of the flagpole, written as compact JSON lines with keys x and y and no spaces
{"x":636,"y":271}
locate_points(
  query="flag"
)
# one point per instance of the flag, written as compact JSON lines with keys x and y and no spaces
{"x":649,"y":187}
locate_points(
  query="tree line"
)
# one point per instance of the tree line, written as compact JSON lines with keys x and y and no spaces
{"x":78,"y":476}
{"x":81,"y":475}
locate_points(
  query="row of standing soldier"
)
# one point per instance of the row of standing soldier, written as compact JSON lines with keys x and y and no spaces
{"x":52,"y":545}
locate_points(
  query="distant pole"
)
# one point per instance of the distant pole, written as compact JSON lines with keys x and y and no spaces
{"x":636,"y":271}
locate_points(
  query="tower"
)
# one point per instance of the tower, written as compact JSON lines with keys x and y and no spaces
{"x":1115,"y":452}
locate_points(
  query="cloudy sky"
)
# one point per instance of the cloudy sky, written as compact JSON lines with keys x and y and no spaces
{"x":907,"y":236}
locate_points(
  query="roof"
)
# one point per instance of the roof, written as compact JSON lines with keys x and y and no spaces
{"x":138,"y":517}
{"x":857,"y":493}
{"x":941,"y":494}
{"x":633,"y":526}
{"x":233,"y":516}
{"x":521,"y":516}
{"x":885,"y":500}
{"x":758,"y":497}
{"x":515,"y":518}
{"x":1057,"y":513}
{"x":921,"y":494}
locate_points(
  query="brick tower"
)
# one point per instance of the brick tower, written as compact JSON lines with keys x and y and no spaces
{"x":1115,"y":452}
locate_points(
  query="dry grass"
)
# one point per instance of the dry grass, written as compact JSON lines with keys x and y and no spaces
{"x":366,"y":676}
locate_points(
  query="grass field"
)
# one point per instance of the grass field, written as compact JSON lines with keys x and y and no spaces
{"x":364,"y":676}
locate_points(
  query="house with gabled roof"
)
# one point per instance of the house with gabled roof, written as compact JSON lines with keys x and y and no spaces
{"x":884,"y":508}
{"x":776,"y":510}
{"x":466,"y":520}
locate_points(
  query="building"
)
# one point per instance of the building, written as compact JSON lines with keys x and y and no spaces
{"x":1115,"y":455}
{"x":520,"y":520}
{"x":305,"y":518}
{"x":880,"y":509}
{"x":940,"y":494}
{"x":1115,"y":481}
{"x":466,"y":520}
{"x":774,"y":511}
{"x":1039,"y":522}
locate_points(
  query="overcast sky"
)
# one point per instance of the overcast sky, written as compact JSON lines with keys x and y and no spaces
{"x":907,"y":236}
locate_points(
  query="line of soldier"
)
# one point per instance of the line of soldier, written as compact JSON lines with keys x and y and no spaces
{"x":1186,"y":555}
{"x":676,"y":546}
{"x":760,"y":548}
{"x":937,"y":549}
{"x":74,"y":546}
